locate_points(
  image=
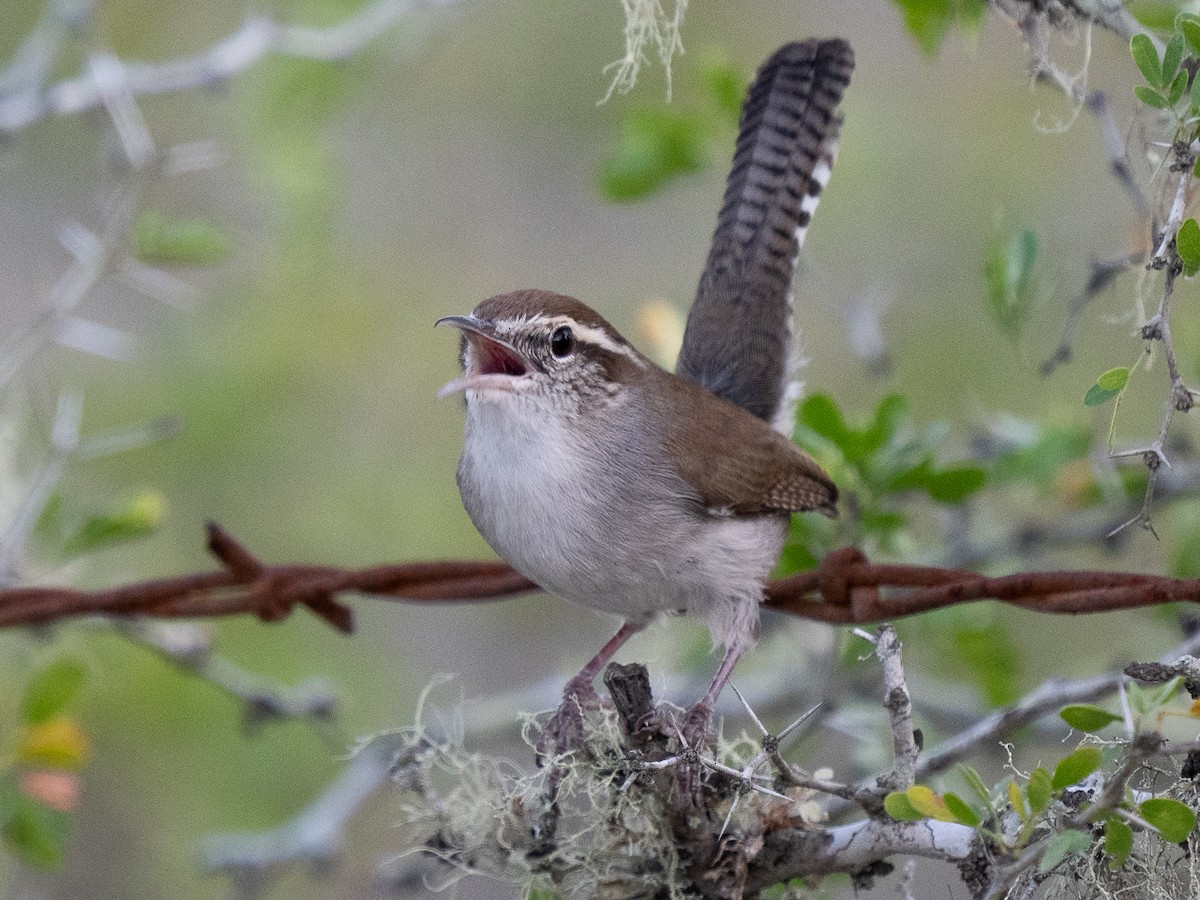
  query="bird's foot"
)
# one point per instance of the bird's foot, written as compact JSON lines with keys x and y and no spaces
{"x":695,"y":737}
{"x":696,"y":729}
{"x":564,"y":731}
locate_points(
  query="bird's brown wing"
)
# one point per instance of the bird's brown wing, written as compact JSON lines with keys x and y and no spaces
{"x":737,"y":463}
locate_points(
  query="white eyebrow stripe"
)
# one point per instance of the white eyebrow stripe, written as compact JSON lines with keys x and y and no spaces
{"x":600,"y":338}
{"x":588,"y":333}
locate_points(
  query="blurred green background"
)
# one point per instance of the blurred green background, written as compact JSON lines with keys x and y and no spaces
{"x":453,"y":158}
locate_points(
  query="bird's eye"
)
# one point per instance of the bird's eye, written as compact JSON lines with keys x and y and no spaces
{"x":562,"y":342}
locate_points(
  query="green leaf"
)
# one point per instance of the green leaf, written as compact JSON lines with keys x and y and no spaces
{"x":961,"y":811}
{"x":890,"y":415}
{"x":820,"y":413}
{"x":159,"y":240}
{"x":137,"y":518}
{"x":36,"y":833}
{"x":1187,"y":243}
{"x":655,"y":145}
{"x":929,"y":804}
{"x":993,"y":659}
{"x":1164,"y":693}
{"x":975,"y":783}
{"x":898,"y":806}
{"x":1075,"y":767}
{"x":1151,"y":97}
{"x":1178,"y":86}
{"x":51,"y":689}
{"x":1098,"y":396}
{"x":1017,"y":801}
{"x":1189,"y":26}
{"x":1174,"y":820}
{"x":1085,"y":717}
{"x":1008,"y":273}
{"x":1038,"y":790}
{"x":1118,"y":841}
{"x":1107,"y":386}
{"x":1114,"y":379}
{"x":727,"y":85}
{"x":1062,"y":845}
{"x":954,"y":484}
{"x":1038,"y":460}
{"x":1145,"y":57}
{"x":1172,"y":56}
{"x":929,"y":21}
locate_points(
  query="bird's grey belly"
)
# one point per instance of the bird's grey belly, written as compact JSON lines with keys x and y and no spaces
{"x":590,"y":534}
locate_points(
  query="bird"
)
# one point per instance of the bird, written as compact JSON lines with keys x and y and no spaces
{"x":623,"y":487}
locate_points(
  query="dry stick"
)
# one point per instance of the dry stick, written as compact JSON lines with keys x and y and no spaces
{"x":258,"y":37}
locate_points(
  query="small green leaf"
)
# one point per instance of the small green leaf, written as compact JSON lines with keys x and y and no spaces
{"x":159,"y":240}
{"x":1017,"y":801}
{"x":975,"y":783}
{"x":1178,"y":86}
{"x":1075,"y":767}
{"x":1098,"y":396}
{"x":1151,"y":97}
{"x":1085,"y":717}
{"x":929,"y":804}
{"x":1172,"y":56}
{"x":1174,"y":820}
{"x":1062,"y":845}
{"x":727,"y":86}
{"x":1189,"y":26}
{"x":993,"y":658}
{"x":1008,"y":273}
{"x":1187,"y":243}
{"x":929,"y":21}
{"x":1163,"y":695}
{"x":51,"y":689}
{"x":1114,"y":379}
{"x":136,"y":518}
{"x":655,"y":146}
{"x":1039,"y":458}
{"x":1038,"y":790}
{"x":954,"y":484}
{"x":1118,"y":841}
{"x":963,"y":813}
{"x":36,"y":833}
{"x":890,"y":415}
{"x":820,"y":413}
{"x":1194,"y":96}
{"x":1107,"y":386}
{"x":897,"y":805}
{"x":1146,"y":59}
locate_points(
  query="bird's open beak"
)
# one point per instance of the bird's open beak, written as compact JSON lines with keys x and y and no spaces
{"x":491,"y":364}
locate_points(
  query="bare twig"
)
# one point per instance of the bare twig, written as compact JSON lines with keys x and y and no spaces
{"x":898,"y":703}
{"x":190,"y":648}
{"x":258,"y":37}
{"x":315,"y":834}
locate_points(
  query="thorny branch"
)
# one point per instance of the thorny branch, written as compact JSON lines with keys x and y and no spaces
{"x":1037,"y":22}
{"x":26,"y":97}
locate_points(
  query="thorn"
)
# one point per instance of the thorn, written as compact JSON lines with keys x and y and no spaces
{"x":750,"y":711}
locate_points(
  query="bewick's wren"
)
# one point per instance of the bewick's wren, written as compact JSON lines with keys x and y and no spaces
{"x":626,"y":488}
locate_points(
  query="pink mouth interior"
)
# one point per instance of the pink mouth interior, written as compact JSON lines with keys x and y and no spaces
{"x":490,"y":358}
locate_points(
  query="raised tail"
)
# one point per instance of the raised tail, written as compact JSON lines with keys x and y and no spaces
{"x":738,"y":341}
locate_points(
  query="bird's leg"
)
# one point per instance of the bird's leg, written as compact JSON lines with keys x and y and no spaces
{"x":564,"y":731}
{"x":698,"y":721}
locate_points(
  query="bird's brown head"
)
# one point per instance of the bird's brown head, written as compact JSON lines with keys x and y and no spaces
{"x":543,"y":346}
